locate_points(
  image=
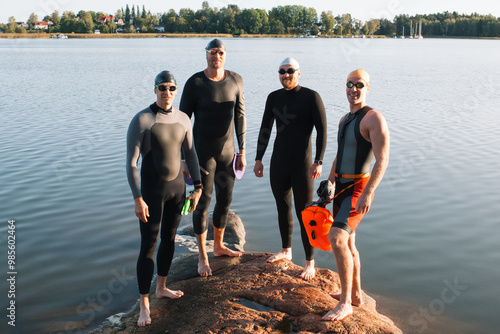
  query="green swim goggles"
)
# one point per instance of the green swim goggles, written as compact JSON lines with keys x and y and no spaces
{"x":187,"y":205}
{"x":162,"y":88}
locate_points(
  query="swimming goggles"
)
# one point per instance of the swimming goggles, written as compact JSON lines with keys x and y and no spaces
{"x":358,"y":85}
{"x":164,"y":88}
{"x":289,"y":71}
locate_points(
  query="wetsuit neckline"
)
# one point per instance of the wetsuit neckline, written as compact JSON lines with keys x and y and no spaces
{"x":294,"y":89}
{"x":350,"y":117}
{"x":210,"y":80}
{"x":156,"y":108}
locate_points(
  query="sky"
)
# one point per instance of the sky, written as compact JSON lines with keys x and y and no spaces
{"x":362,"y":9}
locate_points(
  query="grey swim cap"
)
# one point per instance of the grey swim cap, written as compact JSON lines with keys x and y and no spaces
{"x":165,"y":76}
{"x":216,"y":43}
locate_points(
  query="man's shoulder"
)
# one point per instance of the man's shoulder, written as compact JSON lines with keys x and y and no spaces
{"x":146,"y":112}
{"x":277,"y":92}
{"x":195,"y":76}
{"x":234,"y":76}
{"x":232,"y":73}
{"x":143,"y":118}
{"x":373,"y":119}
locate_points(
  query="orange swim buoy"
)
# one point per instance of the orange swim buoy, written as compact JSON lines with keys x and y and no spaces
{"x":317,"y":222}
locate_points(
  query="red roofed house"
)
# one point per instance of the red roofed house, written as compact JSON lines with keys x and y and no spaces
{"x":41,"y":25}
{"x":105,"y":19}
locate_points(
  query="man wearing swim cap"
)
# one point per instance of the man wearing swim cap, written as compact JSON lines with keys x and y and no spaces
{"x":158,"y":133}
{"x":363,"y":134}
{"x":215,"y":97}
{"x":296,"y":111}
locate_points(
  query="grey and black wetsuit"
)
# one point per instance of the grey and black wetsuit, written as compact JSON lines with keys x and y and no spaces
{"x":159,"y":135}
{"x":296,"y":112}
{"x":219,"y":109}
{"x":352,"y":169}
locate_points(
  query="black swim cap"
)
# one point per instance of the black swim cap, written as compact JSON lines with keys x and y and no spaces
{"x":216,"y":43}
{"x":165,"y":76}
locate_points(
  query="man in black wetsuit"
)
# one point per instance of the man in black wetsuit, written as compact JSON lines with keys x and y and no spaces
{"x":158,"y":133}
{"x":296,"y":110}
{"x":363,"y":134}
{"x":215,"y":98}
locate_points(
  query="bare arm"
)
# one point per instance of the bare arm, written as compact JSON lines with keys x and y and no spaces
{"x":331,"y":177}
{"x":375,"y":128}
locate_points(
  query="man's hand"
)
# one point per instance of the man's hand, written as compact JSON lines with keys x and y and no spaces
{"x":241,"y":163}
{"x":364,"y":203}
{"x":315,"y":171}
{"x":141,"y":209}
{"x":195,"y":196}
{"x":258,"y":169}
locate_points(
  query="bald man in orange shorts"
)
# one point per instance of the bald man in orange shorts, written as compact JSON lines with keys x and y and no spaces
{"x":362,"y":135}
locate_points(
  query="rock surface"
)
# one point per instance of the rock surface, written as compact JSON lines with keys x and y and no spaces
{"x":249,"y":295}
{"x":234,"y":233}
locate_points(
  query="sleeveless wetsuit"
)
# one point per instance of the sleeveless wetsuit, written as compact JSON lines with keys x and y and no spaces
{"x":219,"y":109}
{"x":354,"y":156}
{"x":296,"y":112}
{"x":158,"y":135}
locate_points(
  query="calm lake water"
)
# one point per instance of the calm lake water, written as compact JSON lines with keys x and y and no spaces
{"x":429,"y":246}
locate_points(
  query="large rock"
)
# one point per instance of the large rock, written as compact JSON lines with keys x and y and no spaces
{"x":234,"y":233}
{"x":249,"y":295}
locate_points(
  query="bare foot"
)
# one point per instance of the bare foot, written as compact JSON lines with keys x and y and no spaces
{"x":357,"y":299}
{"x":309,"y":271}
{"x":221,"y":251}
{"x":285,"y":253}
{"x":339,"y":312}
{"x":167,"y":293}
{"x":144,"y":314}
{"x":204,"y":268}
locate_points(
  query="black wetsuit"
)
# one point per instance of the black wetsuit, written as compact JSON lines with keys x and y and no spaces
{"x":219,"y":109}
{"x":296,"y":112}
{"x":158,"y":135}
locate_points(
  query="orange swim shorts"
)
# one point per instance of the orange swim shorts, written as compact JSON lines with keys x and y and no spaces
{"x":344,"y":205}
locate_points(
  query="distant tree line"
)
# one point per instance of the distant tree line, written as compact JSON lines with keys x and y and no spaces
{"x":289,"y":19}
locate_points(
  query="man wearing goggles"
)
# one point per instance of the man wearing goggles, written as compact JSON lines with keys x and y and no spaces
{"x":362,"y":134}
{"x":296,"y":111}
{"x":215,"y":98}
{"x":158,"y":133}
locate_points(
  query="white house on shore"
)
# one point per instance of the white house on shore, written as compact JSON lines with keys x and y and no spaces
{"x":42,"y":25}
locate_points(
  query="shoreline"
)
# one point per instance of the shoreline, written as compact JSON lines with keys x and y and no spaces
{"x":195,"y":35}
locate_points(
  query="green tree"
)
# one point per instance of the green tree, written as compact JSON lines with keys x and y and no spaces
{"x":143,"y":15}
{"x":68,"y":22}
{"x":328,"y":21}
{"x":68,"y":14}
{"x":387,"y":28}
{"x":364,"y":30}
{"x":11,"y":26}
{"x":20,"y":30}
{"x":315,"y":30}
{"x":187,"y":14}
{"x":87,"y":20}
{"x":55,"y":17}
{"x":127,"y":15}
{"x":265,"y":21}
{"x":276,"y":26}
{"x":373,"y":26}
{"x":249,"y":20}
{"x":31,"y":21}
{"x":182,"y":25}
